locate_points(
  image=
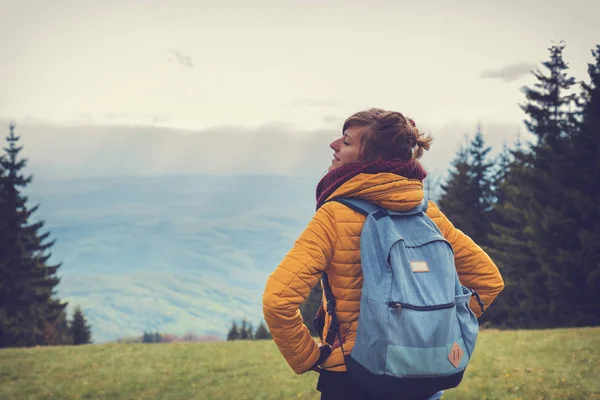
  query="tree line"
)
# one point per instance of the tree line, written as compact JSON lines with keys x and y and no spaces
{"x":245,"y":331}
{"x":156,"y":337}
{"x":30,"y":312}
{"x":535,"y":206}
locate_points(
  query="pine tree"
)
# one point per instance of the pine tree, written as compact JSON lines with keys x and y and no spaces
{"x":481,"y":183}
{"x":552,"y":219}
{"x":431,"y":186}
{"x":500,"y":172}
{"x":250,"y":331}
{"x":234,"y":332}
{"x":5,"y":324}
{"x":262,"y":332}
{"x":456,"y":190}
{"x":467,"y":198}
{"x":244,"y":335}
{"x":549,"y":108}
{"x":30,"y":314}
{"x":59,"y":333}
{"x":537,"y":224}
{"x":585,"y":196}
{"x":81,"y":331}
{"x":510,"y":242}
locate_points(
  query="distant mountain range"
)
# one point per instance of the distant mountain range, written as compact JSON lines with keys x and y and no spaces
{"x":173,"y":254}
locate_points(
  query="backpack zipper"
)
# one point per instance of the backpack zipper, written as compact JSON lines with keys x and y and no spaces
{"x":400,"y":306}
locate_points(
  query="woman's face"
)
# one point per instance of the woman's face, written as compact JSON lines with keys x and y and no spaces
{"x":347,"y":148}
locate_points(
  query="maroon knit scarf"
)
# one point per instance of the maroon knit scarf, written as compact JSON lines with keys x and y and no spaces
{"x":410,"y":169}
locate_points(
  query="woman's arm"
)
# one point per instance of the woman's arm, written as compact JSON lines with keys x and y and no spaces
{"x":290,"y":284}
{"x":475,"y":268}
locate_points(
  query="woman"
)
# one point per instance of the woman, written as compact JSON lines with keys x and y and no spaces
{"x":376,"y":159}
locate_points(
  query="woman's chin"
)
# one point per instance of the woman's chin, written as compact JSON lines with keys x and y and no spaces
{"x":334,"y":164}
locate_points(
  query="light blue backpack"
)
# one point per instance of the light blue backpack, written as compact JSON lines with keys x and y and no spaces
{"x":416,"y":332}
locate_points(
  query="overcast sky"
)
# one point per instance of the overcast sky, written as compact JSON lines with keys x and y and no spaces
{"x":259,"y":69}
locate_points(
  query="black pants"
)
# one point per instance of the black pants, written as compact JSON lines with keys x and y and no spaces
{"x":339,"y":386}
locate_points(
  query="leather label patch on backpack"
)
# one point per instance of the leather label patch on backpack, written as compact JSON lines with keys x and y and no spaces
{"x":456,"y":353}
{"x":419,"y":266}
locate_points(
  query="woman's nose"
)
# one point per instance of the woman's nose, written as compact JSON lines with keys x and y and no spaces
{"x":335,"y":145}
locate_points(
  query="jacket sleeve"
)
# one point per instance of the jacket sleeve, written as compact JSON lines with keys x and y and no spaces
{"x":475,"y":268}
{"x":290,"y":284}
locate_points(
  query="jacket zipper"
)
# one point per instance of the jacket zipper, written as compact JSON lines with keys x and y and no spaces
{"x":400,"y":306}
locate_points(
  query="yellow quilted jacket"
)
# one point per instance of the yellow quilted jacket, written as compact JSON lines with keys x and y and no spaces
{"x":331,"y":243}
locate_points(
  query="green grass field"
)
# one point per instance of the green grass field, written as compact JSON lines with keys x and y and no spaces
{"x":552,"y":364}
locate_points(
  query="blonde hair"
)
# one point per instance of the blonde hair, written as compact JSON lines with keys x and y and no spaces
{"x":390,"y":135}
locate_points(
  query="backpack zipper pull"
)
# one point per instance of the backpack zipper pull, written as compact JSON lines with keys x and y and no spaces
{"x":397,"y":306}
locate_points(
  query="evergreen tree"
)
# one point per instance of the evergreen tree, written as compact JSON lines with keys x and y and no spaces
{"x":58,"y":333}
{"x":481,"y":189}
{"x":510,"y":243}
{"x":551,"y":217}
{"x":431,"y":186}
{"x":262,"y":332}
{"x":5,"y":274}
{"x":584,"y":197}
{"x":456,"y":190}
{"x":538,"y":225}
{"x":250,"y":331}
{"x":81,"y":331}
{"x":500,"y":172}
{"x":505,"y":160}
{"x":234,"y":332}
{"x":467,"y":198}
{"x":29,"y":312}
{"x":549,"y":108}
{"x":149,"y":337}
{"x":244,"y":334}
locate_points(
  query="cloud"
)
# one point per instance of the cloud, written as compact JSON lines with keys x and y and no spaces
{"x":67,"y":151}
{"x":508,"y":73}
{"x":183,"y":59}
{"x":123,"y":118}
{"x":93,"y":150}
{"x":334,"y":120}
{"x":317,"y":102}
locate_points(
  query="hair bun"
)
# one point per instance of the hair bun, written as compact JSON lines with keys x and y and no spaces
{"x":390,"y":135}
{"x":422,"y":141}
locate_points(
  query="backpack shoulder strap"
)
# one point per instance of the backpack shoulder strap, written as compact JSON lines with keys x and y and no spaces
{"x":363,"y":207}
{"x":424,"y":204}
{"x":333,"y":330}
{"x":360,"y":205}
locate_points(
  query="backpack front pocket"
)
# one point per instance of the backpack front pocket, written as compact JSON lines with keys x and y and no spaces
{"x":422,"y":339}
